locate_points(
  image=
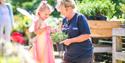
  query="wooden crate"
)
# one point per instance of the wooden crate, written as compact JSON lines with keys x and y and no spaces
{"x":118,"y":54}
{"x":102,"y":29}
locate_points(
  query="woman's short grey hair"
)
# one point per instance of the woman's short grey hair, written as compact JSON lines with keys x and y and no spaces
{"x":66,"y":3}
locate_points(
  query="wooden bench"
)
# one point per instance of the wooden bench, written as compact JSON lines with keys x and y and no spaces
{"x":102,"y":30}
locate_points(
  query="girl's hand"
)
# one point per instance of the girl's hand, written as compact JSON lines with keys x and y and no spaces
{"x":54,"y":30}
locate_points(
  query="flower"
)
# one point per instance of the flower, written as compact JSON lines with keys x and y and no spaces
{"x":17,"y":37}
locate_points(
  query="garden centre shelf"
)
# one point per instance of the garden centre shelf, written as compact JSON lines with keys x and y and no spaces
{"x":102,"y":48}
{"x":102,"y":30}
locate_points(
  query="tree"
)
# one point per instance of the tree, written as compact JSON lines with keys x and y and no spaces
{"x":31,"y":5}
{"x":118,"y":12}
{"x":26,"y":4}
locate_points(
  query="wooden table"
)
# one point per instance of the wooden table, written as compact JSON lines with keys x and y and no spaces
{"x":118,"y":54}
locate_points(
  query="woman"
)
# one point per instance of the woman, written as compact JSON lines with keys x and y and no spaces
{"x":43,"y":47}
{"x":6,"y":20}
{"x":78,"y":45}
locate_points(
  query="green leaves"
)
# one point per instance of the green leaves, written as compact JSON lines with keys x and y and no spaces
{"x":12,"y":59}
{"x":55,"y":24}
{"x":122,"y":8}
{"x":93,"y":7}
{"x":58,"y":37}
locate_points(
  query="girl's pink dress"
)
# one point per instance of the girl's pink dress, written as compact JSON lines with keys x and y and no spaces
{"x":43,"y":47}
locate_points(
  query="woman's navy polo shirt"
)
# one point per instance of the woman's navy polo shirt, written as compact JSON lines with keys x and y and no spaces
{"x":75,"y":27}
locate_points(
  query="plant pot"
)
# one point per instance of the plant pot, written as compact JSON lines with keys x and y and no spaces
{"x":60,"y":49}
{"x":123,"y":25}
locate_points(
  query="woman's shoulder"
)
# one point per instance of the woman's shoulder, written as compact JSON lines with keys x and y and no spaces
{"x":81,"y":17}
{"x":80,"y":14}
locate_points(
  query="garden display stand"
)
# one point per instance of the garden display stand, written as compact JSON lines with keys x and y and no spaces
{"x":102,"y":30}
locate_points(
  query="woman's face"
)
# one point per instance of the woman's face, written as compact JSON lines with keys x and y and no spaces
{"x":44,"y":14}
{"x":65,"y":11}
{"x":62,"y":9}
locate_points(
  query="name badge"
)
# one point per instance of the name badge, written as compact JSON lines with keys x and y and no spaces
{"x":75,"y":28}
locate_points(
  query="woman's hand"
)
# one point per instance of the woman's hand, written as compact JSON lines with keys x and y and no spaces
{"x":66,"y":42}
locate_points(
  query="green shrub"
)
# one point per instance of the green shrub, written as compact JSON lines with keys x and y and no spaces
{"x":122,"y":8}
{"x":94,"y":7}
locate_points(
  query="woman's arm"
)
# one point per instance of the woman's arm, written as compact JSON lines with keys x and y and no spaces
{"x":78,"y":39}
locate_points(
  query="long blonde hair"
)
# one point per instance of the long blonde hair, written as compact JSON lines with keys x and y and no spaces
{"x":43,"y":6}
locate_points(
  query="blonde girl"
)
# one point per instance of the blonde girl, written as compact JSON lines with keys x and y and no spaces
{"x":43,"y":47}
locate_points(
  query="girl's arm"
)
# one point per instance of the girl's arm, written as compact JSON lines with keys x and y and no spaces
{"x":36,"y":27}
{"x":39,"y":28}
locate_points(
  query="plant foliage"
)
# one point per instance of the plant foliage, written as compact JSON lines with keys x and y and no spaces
{"x":94,"y":7}
{"x":58,"y":37}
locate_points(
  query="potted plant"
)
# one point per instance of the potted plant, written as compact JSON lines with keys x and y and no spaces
{"x":57,"y":38}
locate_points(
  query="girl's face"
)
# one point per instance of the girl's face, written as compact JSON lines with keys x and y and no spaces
{"x":44,"y":14}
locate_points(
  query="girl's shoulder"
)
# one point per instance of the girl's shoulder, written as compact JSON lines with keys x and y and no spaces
{"x":35,"y":19}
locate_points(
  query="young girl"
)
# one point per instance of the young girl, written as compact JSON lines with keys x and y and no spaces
{"x":43,"y":47}
{"x":6,"y":20}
